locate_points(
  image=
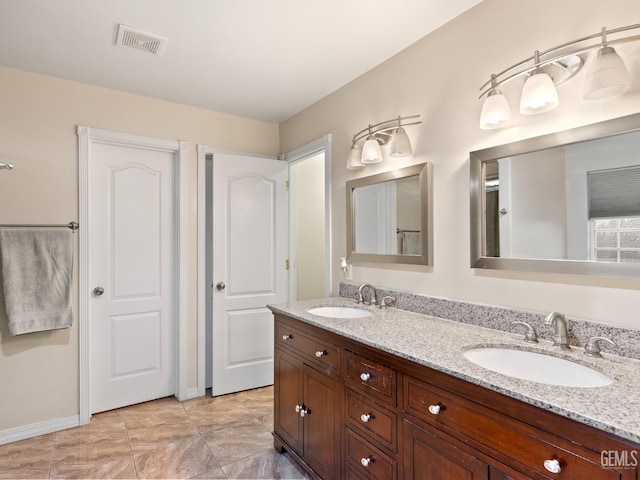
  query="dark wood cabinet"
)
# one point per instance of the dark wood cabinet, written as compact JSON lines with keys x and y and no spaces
{"x":347,"y":410}
{"x":322,"y":401}
{"x":430,"y":457}
{"x":308,"y":401}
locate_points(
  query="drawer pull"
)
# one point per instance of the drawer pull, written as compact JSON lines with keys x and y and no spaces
{"x":365,"y":417}
{"x":434,"y":409}
{"x":552,"y":466}
{"x":365,"y":376}
{"x":286,"y":337}
{"x":365,"y":461}
{"x":320,"y":353}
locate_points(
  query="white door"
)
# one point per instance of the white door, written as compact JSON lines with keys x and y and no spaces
{"x":133,"y":274}
{"x":249,"y":268}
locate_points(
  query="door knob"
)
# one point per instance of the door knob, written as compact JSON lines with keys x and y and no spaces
{"x":98,"y":291}
{"x":220,"y":286}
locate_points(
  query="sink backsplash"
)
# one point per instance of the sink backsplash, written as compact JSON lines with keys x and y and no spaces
{"x":500,"y":318}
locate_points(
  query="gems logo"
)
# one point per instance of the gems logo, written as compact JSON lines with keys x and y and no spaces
{"x":619,"y":458}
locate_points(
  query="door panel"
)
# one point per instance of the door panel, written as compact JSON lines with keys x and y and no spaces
{"x":251,"y":229}
{"x":133,"y":258}
{"x":249,"y":253}
{"x":246,"y":334}
{"x":135,"y":340}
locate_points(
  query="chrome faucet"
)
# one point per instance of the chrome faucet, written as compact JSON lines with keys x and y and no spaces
{"x":372,"y":294}
{"x":561,"y":337}
{"x":592,"y":348}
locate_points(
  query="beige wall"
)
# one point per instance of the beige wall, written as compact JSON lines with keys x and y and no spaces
{"x":39,"y":372}
{"x":439,"y":77}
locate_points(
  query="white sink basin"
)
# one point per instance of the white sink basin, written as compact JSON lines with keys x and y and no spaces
{"x":340,"y":312}
{"x":537,"y":367}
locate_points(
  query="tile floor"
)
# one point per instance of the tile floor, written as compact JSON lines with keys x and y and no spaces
{"x":204,"y":438}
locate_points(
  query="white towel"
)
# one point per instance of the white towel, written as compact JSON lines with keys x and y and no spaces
{"x":411,"y":243}
{"x":36,"y":277}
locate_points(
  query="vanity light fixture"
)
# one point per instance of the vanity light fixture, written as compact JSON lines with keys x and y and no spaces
{"x":354,"y":158}
{"x":607,"y":75}
{"x":371,"y":151}
{"x":539,"y":94}
{"x":389,"y":132}
{"x":495,"y":109}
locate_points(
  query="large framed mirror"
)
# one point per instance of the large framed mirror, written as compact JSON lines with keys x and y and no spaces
{"x":567,"y":202}
{"x":389,"y":217}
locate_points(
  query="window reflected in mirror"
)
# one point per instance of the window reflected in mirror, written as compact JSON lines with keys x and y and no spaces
{"x":567,"y":202}
{"x":573,"y":202}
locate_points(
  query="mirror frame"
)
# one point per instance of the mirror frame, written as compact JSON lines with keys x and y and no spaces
{"x":426,"y":216}
{"x":477,"y":160}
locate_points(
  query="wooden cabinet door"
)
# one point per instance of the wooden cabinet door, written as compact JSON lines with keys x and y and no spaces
{"x":288,"y":393}
{"x":322,"y":423}
{"x":428,"y":457}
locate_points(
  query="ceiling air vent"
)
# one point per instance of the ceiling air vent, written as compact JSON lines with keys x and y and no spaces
{"x":147,"y":42}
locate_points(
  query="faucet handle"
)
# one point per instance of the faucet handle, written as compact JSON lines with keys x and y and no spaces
{"x":592,"y":348}
{"x":530,"y":335}
{"x":386,"y":301}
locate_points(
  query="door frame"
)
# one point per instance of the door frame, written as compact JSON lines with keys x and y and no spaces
{"x":321,"y":145}
{"x":86,"y":137}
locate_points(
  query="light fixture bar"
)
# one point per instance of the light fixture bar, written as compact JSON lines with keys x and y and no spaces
{"x":488,"y":86}
{"x":383,"y":127}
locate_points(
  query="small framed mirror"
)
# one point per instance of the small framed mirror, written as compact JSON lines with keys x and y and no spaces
{"x":567,"y":202}
{"x":389,"y":217}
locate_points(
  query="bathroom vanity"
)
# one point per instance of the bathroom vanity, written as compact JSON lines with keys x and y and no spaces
{"x":390,"y":396}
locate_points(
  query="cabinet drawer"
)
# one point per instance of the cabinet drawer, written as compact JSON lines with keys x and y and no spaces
{"x":367,"y":460}
{"x":379,"y":422}
{"x":499,"y":435}
{"x":371,"y":378}
{"x":315,"y":349}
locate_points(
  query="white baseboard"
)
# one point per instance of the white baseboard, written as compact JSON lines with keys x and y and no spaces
{"x":36,"y":429}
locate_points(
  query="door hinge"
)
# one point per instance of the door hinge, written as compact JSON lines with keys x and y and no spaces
{"x":286,"y":264}
{"x":286,"y":185}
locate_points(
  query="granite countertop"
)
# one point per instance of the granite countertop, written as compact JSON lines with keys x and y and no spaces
{"x":439,"y":344}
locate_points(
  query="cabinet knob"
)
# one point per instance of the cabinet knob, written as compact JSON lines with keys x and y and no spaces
{"x":320,"y":353}
{"x":552,"y":466}
{"x":298,"y":408}
{"x":434,"y":409}
{"x":365,"y":376}
{"x":365,"y":461}
{"x":304,"y":411}
{"x":286,"y":337}
{"x":365,"y":417}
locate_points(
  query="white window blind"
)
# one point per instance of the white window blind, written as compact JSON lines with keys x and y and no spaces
{"x":614,"y":193}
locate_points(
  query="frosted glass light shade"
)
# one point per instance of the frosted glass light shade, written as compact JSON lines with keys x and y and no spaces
{"x":495,"y":111}
{"x":539,"y":95}
{"x":400,"y":146}
{"x":608,"y":76}
{"x":354,"y":158}
{"x":371,"y":152}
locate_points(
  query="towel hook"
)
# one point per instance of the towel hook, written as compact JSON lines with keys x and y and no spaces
{"x":6,"y":166}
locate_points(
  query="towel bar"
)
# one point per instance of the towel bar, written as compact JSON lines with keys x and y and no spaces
{"x":74,"y":226}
